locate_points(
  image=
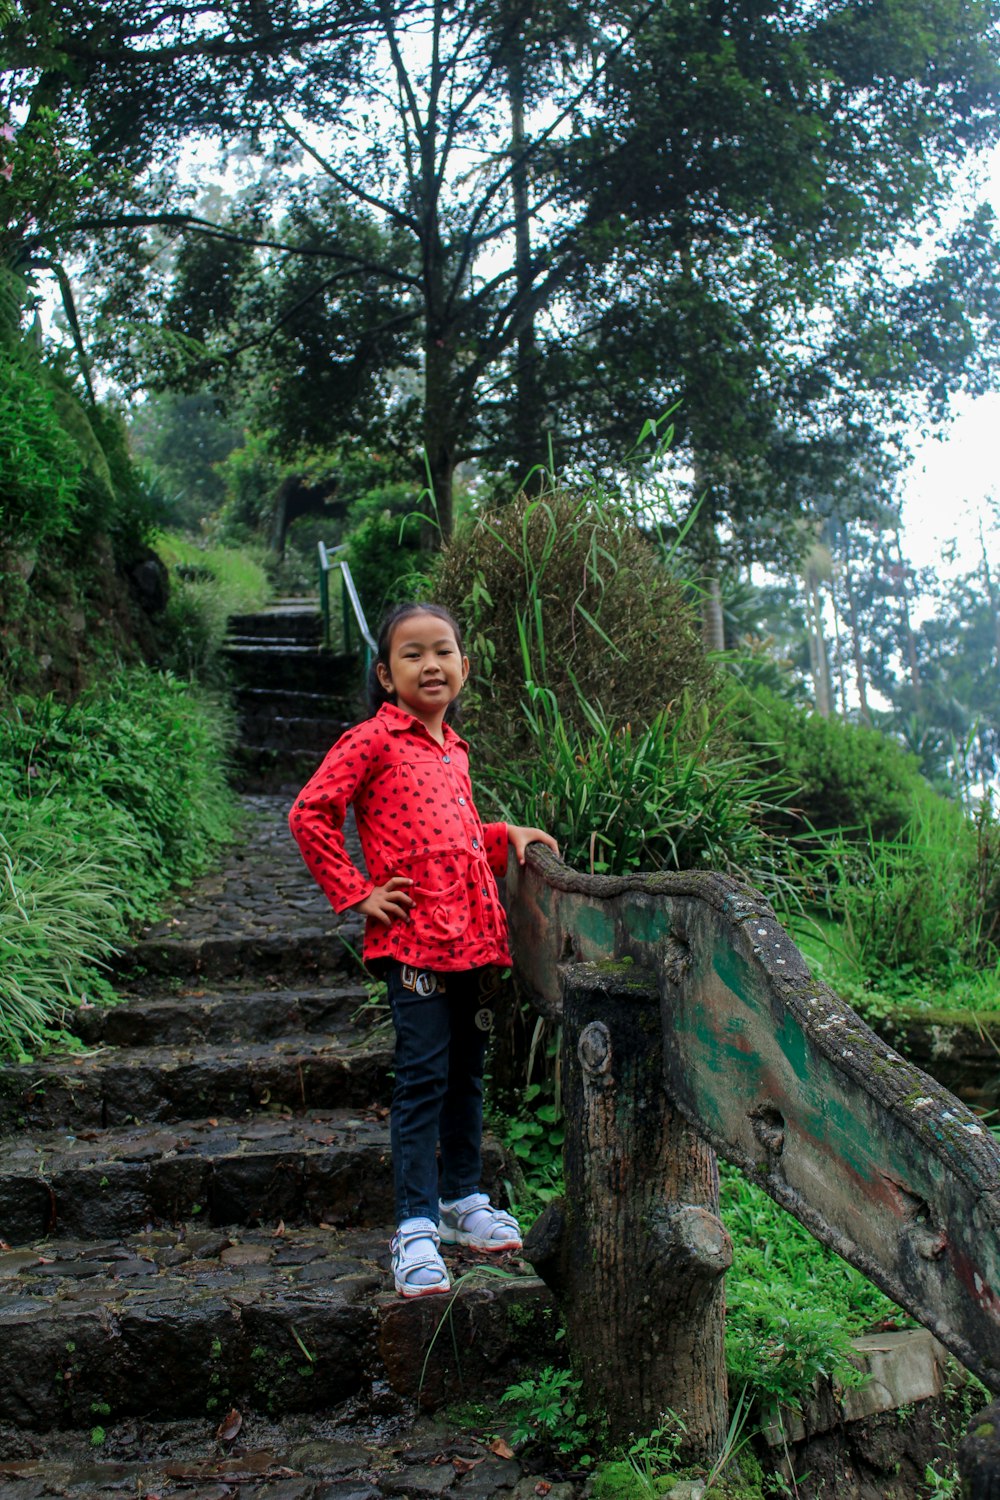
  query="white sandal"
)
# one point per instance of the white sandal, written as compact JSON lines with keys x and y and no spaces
{"x":417,"y":1267}
{"x":474,"y":1222}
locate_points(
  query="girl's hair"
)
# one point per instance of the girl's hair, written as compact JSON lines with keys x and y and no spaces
{"x":377,"y":694}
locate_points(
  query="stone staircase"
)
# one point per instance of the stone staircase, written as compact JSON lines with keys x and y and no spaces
{"x":195,"y":1208}
{"x":293,"y":697}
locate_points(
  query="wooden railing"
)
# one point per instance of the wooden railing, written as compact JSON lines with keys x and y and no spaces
{"x":691,"y":1024}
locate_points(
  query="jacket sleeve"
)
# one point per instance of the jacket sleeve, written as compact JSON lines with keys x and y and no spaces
{"x":495,"y":846}
{"x":317,"y":818}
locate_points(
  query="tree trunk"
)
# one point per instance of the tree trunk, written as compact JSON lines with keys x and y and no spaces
{"x":713,"y":629}
{"x":636,"y":1253}
{"x":859,"y":666}
{"x":530,"y":457}
{"x":908,"y":635}
{"x":841,"y":668}
{"x":439,"y":412}
{"x":818,"y":656}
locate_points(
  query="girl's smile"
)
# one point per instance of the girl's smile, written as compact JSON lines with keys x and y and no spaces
{"x":426,"y":669}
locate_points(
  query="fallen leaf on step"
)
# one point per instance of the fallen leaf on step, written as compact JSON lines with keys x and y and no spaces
{"x":280,"y":1229}
{"x":542,"y":1487}
{"x":229,"y":1426}
{"x":465,"y":1465}
{"x":501,"y":1449}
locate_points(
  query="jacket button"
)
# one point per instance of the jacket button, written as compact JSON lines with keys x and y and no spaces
{"x":446,"y":759}
{"x":461,"y":801}
{"x":475,"y":843}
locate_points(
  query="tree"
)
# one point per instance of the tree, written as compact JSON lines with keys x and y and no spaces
{"x":569,"y":214}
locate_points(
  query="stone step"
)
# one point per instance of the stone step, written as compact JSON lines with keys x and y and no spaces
{"x":262,"y":768}
{"x":294,"y":622}
{"x":298,"y":702}
{"x":308,"y":954}
{"x":199,"y":1016}
{"x":290,"y":735}
{"x":354,"y":1452}
{"x":191,"y":1322}
{"x":121,"y":1085}
{"x":331,"y":1166}
{"x":305,"y":667}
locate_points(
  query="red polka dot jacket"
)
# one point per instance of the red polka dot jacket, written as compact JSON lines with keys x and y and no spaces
{"x":413,"y":804}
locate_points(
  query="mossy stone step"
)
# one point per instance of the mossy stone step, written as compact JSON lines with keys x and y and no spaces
{"x":343,"y":1455}
{"x":119,"y":1086}
{"x":307,"y":666}
{"x":324,"y":1167}
{"x":201,"y":1016}
{"x":306,"y":954}
{"x":191,"y":1322}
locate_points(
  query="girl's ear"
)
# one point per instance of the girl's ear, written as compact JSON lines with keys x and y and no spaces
{"x":384,"y":676}
{"x":465,"y":669}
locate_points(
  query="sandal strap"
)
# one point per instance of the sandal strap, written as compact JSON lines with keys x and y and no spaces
{"x":406,"y":1260}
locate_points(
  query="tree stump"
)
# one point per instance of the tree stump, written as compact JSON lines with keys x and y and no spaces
{"x":979,"y":1456}
{"x":635,"y":1252}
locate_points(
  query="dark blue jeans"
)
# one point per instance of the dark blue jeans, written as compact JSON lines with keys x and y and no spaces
{"x":442,"y":1025}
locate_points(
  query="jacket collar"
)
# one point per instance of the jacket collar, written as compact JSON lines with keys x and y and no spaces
{"x":398,"y":721}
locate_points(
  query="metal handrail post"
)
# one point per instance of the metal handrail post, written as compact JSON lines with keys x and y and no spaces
{"x":324,"y":592}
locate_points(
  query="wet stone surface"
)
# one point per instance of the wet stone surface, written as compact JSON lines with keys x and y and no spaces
{"x":346,"y":1454}
{"x":263,"y":887}
{"x":195,"y":1294}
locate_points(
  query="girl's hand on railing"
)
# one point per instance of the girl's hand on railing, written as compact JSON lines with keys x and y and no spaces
{"x":520,"y":838}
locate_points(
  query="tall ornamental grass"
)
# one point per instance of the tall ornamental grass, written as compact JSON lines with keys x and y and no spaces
{"x":630,"y":797}
{"x":107,"y":803}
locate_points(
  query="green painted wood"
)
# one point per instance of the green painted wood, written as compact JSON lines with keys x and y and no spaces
{"x":782,"y":1078}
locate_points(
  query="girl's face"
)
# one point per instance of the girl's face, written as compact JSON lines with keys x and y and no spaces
{"x":426,"y":669}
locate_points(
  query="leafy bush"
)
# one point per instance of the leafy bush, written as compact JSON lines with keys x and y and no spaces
{"x":546,"y":1416}
{"x":570,"y":585}
{"x":108,"y":802}
{"x":918,"y":908}
{"x":40,"y":466}
{"x":792,"y":1306}
{"x":622,"y":798}
{"x":841,"y":776}
{"x":383,"y":547}
{"x":207,"y":585}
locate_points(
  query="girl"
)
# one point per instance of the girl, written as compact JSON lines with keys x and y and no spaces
{"x":434,"y":927}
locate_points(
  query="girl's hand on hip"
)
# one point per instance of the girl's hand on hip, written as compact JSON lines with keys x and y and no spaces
{"x":388,"y":903}
{"x":520,"y":838}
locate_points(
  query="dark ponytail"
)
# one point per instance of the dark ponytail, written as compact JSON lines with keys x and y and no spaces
{"x":377,"y":694}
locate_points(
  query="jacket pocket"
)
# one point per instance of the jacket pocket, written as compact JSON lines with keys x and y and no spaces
{"x":440,"y":912}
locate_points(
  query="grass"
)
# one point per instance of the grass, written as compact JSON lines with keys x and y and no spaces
{"x":108,"y":802}
{"x":207,"y":585}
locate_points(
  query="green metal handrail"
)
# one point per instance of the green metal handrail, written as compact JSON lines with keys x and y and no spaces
{"x":353,"y":614}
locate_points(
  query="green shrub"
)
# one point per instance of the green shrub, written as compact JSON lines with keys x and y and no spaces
{"x":207,"y":585}
{"x":384,"y":548}
{"x":620,"y":798}
{"x":40,"y":466}
{"x":919,"y":908}
{"x":108,"y":802}
{"x":571,"y":584}
{"x":841,"y":776}
{"x":792,"y":1306}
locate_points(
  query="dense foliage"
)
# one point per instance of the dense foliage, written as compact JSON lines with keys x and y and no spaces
{"x":108,"y":802}
{"x":567,"y":592}
{"x":840,"y":775}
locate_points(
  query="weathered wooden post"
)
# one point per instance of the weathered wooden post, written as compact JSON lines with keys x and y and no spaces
{"x":766,"y":1065}
{"x":635,"y":1252}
